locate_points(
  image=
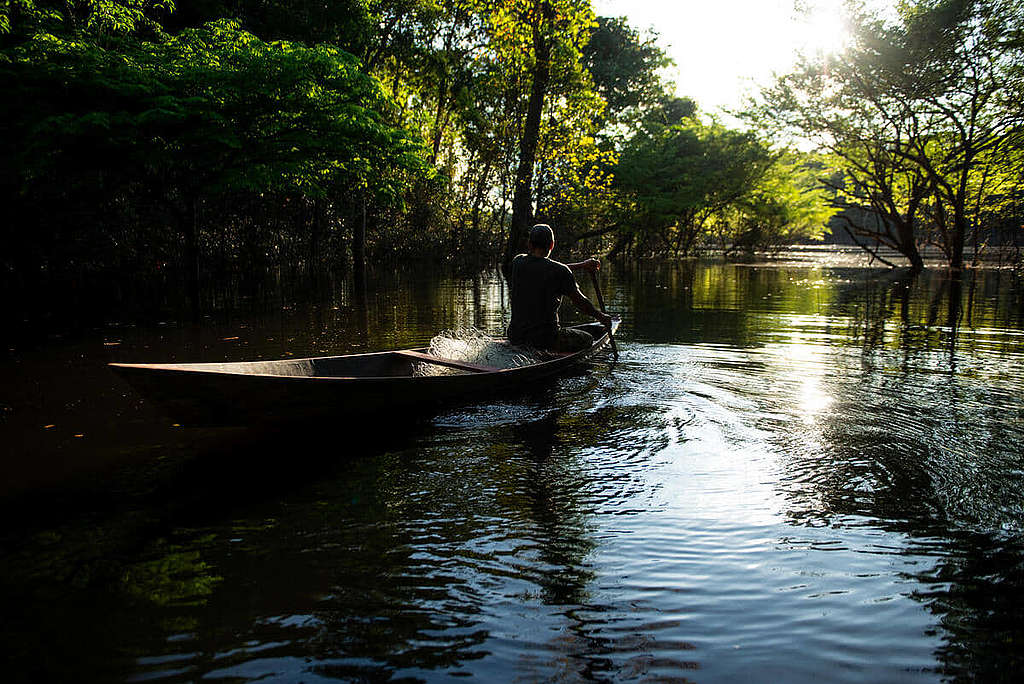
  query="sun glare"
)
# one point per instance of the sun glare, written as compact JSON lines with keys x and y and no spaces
{"x":823,"y":29}
{"x":727,"y":48}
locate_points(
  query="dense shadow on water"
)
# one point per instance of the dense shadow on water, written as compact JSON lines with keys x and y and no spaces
{"x":555,"y":511}
{"x":105,"y":553}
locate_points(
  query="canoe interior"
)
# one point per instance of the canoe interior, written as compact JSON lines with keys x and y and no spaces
{"x":380,"y":365}
{"x":387,"y":364}
{"x":326,"y":388}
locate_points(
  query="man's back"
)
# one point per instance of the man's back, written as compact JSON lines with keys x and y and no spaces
{"x":536,"y":288}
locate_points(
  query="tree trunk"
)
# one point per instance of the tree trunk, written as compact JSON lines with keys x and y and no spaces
{"x":190,"y":228}
{"x":315,"y":229}
{"x":478,"y":196}
{"x":459,"y":225}
{"x":440,"y":121}
{"x":908,"y":246}
{"x":541,"y":75}
{"x":960,"y":220}
{"x":359,"y":251}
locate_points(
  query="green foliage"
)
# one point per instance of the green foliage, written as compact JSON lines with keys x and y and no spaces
{"x":668,"y":110}
{"x":176,"y":576}
{"x":578,"y":182}
{"x":212,"y":109}
{"x":123,"y":153}
{"x":624,"y":68}
{"x":786,"y":206}
{"x":677,"y":177}
{"x":25,"y":18}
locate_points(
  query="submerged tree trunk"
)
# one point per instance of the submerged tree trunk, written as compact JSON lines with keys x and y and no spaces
{"x":908,"y":246}
{"x":522,"y":210}
{"x":622,"y":244}
{"x":958,"y":237}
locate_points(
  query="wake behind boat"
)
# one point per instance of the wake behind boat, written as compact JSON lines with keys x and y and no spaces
{"x":250,"y":392}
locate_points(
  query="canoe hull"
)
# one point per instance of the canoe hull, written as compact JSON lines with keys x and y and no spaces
{"x":225,"y":394}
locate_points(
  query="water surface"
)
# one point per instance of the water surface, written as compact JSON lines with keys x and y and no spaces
{"x":794,"y":472}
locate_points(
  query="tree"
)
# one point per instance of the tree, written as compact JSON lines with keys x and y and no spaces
{"x":964,"y":122}
{"x":919,"y":111}
{"x":209,"y":113}
{"x":550,"y":35}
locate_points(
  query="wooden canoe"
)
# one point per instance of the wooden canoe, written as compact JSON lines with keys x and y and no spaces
{"x":330,"y":386}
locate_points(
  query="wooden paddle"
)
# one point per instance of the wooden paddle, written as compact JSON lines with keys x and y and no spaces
{"x":600,"y":301}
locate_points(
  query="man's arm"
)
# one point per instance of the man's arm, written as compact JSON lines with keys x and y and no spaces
{"x":585,"y":265}
{"x":585,"y":305}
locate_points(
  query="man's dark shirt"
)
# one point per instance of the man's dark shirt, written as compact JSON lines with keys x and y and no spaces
{"x":536,"y":286}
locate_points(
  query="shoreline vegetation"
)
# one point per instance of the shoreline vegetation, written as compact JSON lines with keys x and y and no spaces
{"x":153,"y":147}
{"x":107,"y":307}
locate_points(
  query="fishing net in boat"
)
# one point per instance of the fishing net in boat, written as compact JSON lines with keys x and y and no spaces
{"x":473,"y":346}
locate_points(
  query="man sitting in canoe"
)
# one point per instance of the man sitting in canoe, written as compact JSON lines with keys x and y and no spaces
{"x":536,"y":285}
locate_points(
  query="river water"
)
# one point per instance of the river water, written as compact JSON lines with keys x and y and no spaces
{"x":796,"y":471}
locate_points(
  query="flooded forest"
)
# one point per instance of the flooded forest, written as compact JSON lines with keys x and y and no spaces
{"x":803,"y":460}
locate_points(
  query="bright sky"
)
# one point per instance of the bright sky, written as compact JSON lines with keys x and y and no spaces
{"x":723,"y":47}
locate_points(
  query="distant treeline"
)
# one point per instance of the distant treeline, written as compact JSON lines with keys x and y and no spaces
{"x":148,"y":143}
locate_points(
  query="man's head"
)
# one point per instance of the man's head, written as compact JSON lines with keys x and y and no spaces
{"x":542,"y":238}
